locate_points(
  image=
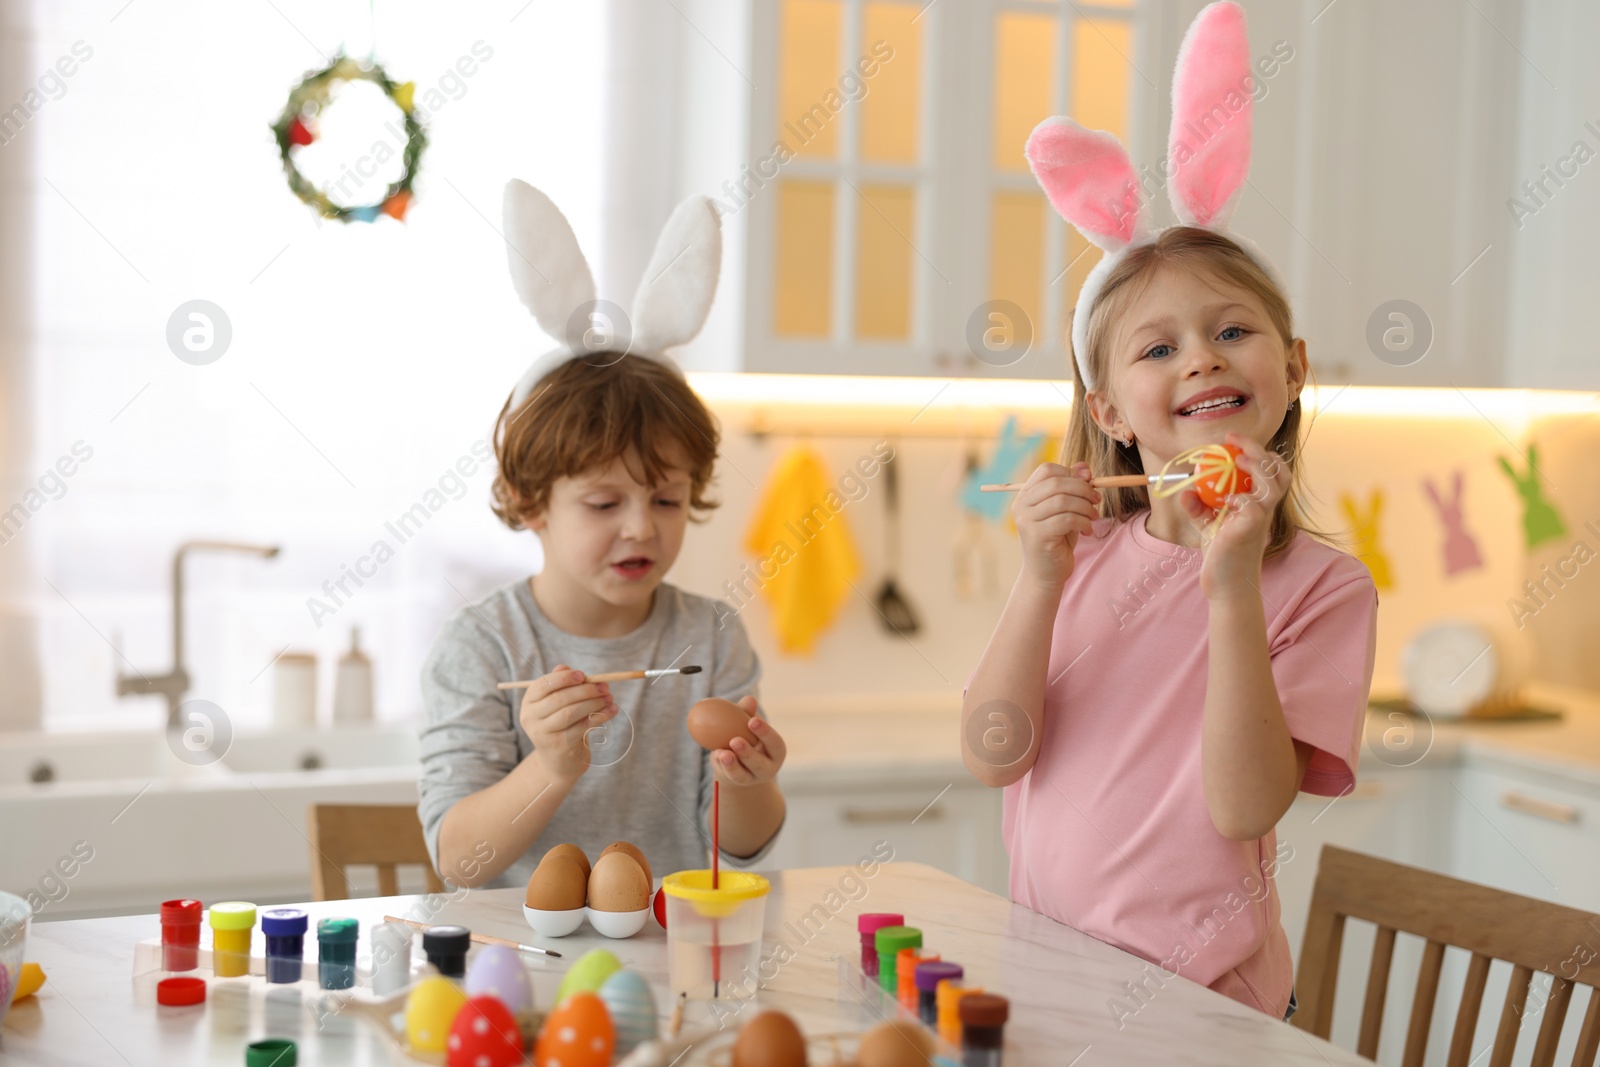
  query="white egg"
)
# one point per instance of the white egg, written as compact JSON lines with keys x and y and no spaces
{"x":497,"y":972}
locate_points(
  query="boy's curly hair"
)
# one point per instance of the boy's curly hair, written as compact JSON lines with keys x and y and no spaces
{"x":591,"y":411}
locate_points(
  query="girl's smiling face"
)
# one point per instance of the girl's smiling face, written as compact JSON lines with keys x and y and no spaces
{"x":1192,"y":360}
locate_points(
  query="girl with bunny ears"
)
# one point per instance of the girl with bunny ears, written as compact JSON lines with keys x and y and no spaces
{"x":604,"y":452}
{"x":1158,"y":689}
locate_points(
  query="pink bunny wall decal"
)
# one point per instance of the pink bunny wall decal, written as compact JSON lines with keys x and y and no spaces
{"x":1364,"y":528}
{"x":1460,"y":550}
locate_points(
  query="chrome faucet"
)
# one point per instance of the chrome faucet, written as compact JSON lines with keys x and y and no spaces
{"x":175,"y":683}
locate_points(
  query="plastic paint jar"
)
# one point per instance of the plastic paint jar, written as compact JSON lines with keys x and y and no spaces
{"x":948,"y":1000}
{"x":336,"y":953}
{"x":391,"y":958}
{"x":889,"y":941}
{"x":446,"y":948}
{"x":983,"y":1022}
{"x":905,"y":975}
{"x":867,"y":925}
{"x":231,"y":924}
{"x":927,"y":978}
{"x":285,"y":931}
{"x":180,"y":935}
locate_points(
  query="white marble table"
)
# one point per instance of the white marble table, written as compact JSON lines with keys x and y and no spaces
{"x":1059,"y":981}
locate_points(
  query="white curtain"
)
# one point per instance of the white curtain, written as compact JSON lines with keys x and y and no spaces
{"x":366,"y":362}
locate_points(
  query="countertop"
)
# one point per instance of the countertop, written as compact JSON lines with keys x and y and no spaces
{"x":1059,"y":981}
{"x":913,"y":735}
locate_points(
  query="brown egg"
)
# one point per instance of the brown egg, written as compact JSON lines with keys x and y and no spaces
{"x":901,"y":1043}
{"x":557,"y":885}
{"x":713,"y":722}
{"x":632,"y":850}
{"x":771,"y":1039}
{"x":572,"y":852}
{"x":617,"y":883}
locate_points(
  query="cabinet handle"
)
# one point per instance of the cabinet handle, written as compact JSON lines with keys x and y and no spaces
{"x":1539,"y":809}
{"x":861,"y":815}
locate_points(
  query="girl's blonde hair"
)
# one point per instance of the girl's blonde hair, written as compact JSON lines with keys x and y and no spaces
{"x":1189,"y":248}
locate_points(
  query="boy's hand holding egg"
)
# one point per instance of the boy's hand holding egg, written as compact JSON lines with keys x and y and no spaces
{"x":745,"y":749}
{"x":558,"y":710}
{"x":1054,"y":506}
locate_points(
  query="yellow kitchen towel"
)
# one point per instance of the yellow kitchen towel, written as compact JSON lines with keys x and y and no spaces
{"x":806,"y":559}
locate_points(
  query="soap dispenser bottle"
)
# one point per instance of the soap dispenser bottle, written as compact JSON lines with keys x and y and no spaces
{"x":352,"y":690}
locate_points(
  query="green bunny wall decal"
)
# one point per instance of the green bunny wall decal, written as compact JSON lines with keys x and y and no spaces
{"x":1364,"y":528}
{"x":1540,"y":520}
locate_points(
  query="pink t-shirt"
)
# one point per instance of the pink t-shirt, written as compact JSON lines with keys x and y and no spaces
{"x":1109,"y":831}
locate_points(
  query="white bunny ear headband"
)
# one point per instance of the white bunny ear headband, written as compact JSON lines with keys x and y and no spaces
{"x":552,"y":278}
{"x":1088,"y":178}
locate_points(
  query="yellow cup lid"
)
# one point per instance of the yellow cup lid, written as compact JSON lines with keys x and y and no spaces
{"x":233,"y":915}
{"x":733,"y":888}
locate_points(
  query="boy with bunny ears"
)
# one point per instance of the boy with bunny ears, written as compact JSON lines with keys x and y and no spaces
{"x":603,"y":454}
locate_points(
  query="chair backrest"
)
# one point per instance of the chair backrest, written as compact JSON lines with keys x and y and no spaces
{"x":1531,"y":935}
{"x":383,"y":835}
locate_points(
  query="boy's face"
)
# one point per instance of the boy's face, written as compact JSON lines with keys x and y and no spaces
{"x":1188,"y":339}
{"x":611,"y":535}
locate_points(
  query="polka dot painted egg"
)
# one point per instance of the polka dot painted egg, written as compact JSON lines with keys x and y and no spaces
{"x":577,"y":1034}
{"x":633,"y":1010}
{"x":497,"y":972}
{"x":430,"y":1010}
{"x":484,"y":1035}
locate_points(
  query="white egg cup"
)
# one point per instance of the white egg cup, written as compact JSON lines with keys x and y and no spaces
{"x":618,"y":924}
{"x":612,"y":924}
{"x":554,"y":923}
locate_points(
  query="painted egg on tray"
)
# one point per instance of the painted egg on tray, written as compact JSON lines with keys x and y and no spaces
{"x":484,"y":1035}
{"x":633,"y":1010}
{"x":497,"y":972}
{"x":587,"y":973}
{"x":430,"y":1010}
{"x":577,"y":1034}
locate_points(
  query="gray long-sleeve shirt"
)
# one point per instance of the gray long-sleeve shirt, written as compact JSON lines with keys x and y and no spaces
{"x":648,"y":781}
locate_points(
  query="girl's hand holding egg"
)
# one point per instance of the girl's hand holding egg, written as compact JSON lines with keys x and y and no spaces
{"x":1054,"y":506}
{"x":1236,"y":544}
{"x":745,"y":749}
{"x":558,"y":711}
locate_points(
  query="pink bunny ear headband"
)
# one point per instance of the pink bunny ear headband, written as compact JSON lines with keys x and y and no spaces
{"x":1088,"y":178}
{"x":553,"y":279}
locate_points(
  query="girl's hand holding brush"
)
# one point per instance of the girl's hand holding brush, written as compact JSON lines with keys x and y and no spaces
{"x":1054,"y":506}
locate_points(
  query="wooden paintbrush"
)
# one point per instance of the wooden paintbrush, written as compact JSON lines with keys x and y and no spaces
{"x":1110,"y":481}
{"x":614,"y":676}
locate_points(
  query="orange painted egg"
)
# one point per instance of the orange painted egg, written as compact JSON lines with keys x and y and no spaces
{"x":1221,"y":479}
{"x":578,"y":1033}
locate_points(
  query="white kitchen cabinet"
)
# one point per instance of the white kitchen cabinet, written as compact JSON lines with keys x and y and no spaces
{"x":951,"y":825}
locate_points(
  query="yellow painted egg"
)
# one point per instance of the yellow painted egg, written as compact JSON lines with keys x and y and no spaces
{"x":430,"y":1011}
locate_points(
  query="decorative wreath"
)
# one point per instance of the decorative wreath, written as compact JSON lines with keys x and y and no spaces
{"x":297,"y":127}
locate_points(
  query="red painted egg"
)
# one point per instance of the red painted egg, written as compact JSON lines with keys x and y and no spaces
{"x":660,"y":907}
{"x":484,"y":1034}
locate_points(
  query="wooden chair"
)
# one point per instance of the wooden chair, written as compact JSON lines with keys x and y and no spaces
{"x":1531,"y":935}
{"x":384,"y":835}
